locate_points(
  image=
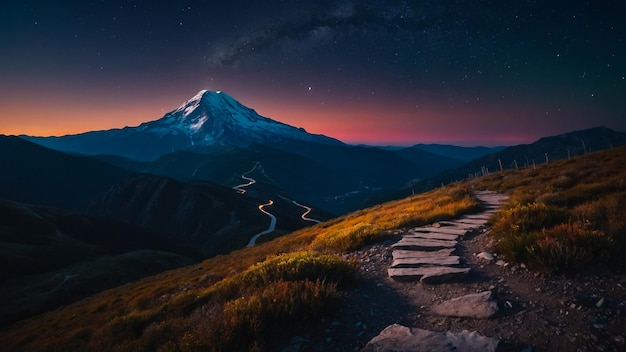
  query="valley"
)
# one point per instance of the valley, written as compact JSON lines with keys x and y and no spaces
{"x":540,"y":305}
{"x":213,"y":226}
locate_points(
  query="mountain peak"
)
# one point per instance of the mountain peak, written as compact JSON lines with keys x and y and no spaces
{"x":209,"y":118}
{"x":209,"y":113}
{"x":214,"y":117}
{"x":208,"y":97}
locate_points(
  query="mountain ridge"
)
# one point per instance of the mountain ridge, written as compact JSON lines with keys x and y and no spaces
{"x":543,"y":150}
{"x":207,"y":119}
{"x":41,"y":175}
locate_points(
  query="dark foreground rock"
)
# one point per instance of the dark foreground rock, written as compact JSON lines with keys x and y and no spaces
{"x":477,"y":305}
{"x":398,"y":338}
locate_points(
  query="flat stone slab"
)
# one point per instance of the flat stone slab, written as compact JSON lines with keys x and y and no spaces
{"x":453,"y":230}
{"x":480,"y":216}
{"x":431,"y":235}
{"x":477,"y":305}
{"x":400,"y":253}
{"x":458,"y":226}
{"x":451,"y":260}
{"x":478,"y":222}
{"x":427,"y":275}
{"x":423,"y":244}
{"x":398,"y":338}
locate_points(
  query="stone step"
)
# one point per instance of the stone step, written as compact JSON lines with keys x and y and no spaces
{"x":496,"y":198}
{"x":431,"y":235}
{"x":491,"y":202}
{"x":423,"y":244}
{"x":481,"y":216}
{"x":399,"y":253}
{"x":459,"y":226}
{"x":415,"y":262}
{"x":428,"y":274}
{"x":476,"y":222}
{"x":441,"y":229}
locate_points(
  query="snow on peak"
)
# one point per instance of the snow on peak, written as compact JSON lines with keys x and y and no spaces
{"x":215,"y":117}
{"x":190,"y":105}
{"x":198,"y":124}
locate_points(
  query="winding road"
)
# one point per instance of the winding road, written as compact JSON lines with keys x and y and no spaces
{"x":269,"y":229}
{"x":307,"y":210}
{"x":241,"y":190}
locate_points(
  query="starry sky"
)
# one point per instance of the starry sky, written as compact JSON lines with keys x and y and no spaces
{"x":465,"y":72}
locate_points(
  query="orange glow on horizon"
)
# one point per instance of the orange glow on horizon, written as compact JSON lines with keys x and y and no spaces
{"x":365,"y":123}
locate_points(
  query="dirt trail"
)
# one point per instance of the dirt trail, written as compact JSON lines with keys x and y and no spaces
{"x":580,"y":311}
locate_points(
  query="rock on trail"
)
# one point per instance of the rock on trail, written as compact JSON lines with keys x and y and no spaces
{"x":478,"y":306}
{"x":398,"y":338}
{"x":411,"y":261}
{"x":426,"y":254}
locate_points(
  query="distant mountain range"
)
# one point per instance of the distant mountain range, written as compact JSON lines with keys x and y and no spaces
{"x":210,"y":118}
{"x":459,"y":153}
{"x":163,"y":192}
{"x":214,"y":138}
{"x":543,"y":150}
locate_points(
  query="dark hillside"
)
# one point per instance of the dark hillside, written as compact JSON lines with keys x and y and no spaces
{"x":38,"y":175}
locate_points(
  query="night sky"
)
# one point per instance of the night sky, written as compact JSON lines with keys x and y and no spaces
{"x":468,"y":72}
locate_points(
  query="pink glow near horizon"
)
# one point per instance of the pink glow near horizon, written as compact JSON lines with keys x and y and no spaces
{"x":363,"y":123}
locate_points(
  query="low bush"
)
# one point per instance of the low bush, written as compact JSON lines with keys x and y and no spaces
{"x":573,"y":212}
{"x":520,"y":219}
{"x":247,"y":323}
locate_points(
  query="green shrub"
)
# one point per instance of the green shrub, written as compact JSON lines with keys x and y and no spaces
{"x":525,"y":218}
{"x":299,"y":266}
{"x":515,"y":246}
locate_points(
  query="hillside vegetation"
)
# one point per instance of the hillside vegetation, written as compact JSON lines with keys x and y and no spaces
{"x":233,"y":302}
{"x":560,"y":215}
{"x":563,"y":214}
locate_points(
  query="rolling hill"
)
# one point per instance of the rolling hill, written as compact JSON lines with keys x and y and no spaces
{"x":295,"y":283}
{"x":52,"y":257}
{"x":38,"y":175}
{"x":209,"y":218}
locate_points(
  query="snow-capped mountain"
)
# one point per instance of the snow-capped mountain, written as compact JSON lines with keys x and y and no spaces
{"x":214,"y":117}
{"x":210,"y":118}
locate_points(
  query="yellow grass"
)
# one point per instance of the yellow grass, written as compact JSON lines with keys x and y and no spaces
{"x":565,"y":213}
{"x":229,"y":302}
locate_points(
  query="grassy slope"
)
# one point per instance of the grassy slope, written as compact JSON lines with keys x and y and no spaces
{"x":564,"y":213}
{"x":51,"y":257}
{"x":229,"y":301}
